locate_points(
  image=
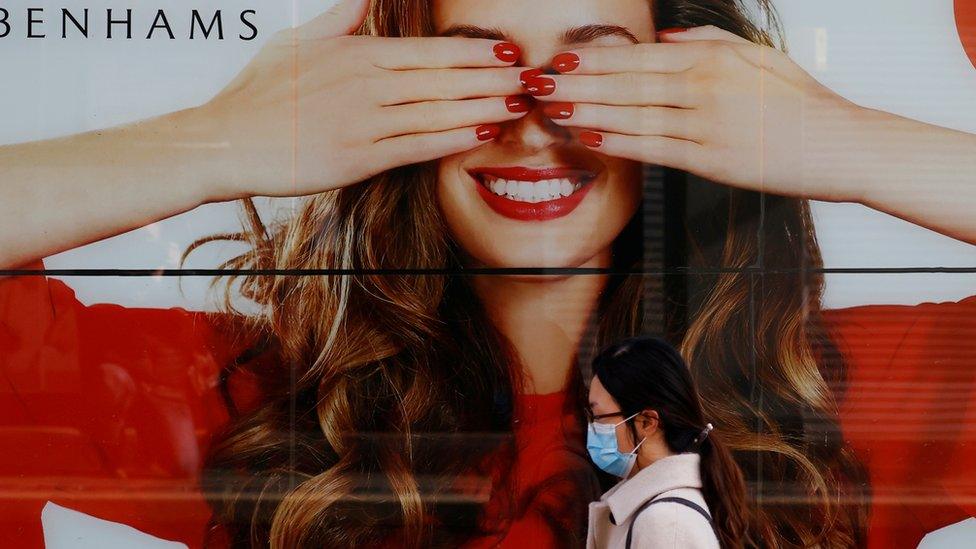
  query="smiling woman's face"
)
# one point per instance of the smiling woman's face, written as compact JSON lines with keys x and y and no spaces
{"x":506,"y":203}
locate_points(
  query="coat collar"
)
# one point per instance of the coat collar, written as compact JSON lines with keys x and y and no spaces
{"x":664,"y":475}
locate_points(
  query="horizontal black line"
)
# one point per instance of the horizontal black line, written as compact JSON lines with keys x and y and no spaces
{"x":524,"y":271}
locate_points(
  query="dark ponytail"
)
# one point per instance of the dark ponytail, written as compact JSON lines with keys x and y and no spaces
{"x":647,"y":373}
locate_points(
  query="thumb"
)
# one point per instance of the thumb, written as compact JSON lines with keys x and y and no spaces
{"x":344,"y":17}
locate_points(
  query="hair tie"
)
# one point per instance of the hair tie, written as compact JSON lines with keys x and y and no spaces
{"x":704,"y":434}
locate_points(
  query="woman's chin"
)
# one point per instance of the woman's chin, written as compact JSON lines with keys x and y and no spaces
{"x":518,"y":256}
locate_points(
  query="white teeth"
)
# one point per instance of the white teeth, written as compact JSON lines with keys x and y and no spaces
{"x":511,"y":188}
{"x":533,"y":192}
{"x":552,"y":188}
{"x":498,"y":187}
{"x":565,"y":187}
{"x":540,"y":192}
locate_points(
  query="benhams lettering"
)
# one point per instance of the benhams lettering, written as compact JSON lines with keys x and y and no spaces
{"x":124,"y":24}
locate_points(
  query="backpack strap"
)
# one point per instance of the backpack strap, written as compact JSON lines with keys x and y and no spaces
{"x":681,"y":501}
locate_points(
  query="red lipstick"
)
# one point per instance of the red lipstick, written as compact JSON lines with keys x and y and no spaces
{"x":533,"y":211}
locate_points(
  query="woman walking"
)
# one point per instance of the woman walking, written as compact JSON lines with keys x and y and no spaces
{"x":680,"y":487}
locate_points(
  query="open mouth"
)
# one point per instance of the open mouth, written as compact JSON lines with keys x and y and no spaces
{"x":529,"y":194}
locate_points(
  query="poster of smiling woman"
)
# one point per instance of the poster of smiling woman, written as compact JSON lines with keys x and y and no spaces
{"x":471,"y":273}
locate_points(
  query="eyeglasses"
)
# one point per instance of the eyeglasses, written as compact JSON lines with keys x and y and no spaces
{"x":591,"y":418}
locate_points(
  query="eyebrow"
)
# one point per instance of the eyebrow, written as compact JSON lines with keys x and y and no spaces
{"x":589,"y":33}
{"x":575,"y":35}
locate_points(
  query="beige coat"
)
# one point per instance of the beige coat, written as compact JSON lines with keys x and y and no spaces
{"x":662,"y":525}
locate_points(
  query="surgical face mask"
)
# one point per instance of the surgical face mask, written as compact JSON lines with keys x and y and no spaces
{"x":601,"y":443}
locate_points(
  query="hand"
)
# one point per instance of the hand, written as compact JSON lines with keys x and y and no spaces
{"x":317,"y":109}
{"x":710,"y":103}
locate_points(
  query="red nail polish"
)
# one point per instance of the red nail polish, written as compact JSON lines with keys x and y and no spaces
{"x":558,"y":110}
{"x":527,"y":75}
{"x":566,"y":62}
{"x":488,"y":132}
{"x":671,"y":30}
{"x":518,"y":103}
{"x":539,"y":86}
{"x":507,"y":52}
{"x":591,"y":139}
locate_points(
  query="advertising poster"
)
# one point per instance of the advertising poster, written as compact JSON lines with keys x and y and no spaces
{"x":472,"y":273}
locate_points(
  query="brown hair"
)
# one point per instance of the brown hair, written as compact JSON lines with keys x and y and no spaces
{"x":375,"y":372}
{"x":369,"y":418}
{"x":774,"y":397}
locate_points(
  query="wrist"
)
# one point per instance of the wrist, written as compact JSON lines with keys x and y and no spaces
{"x":841,"y":141}
{"x":206,"y":156}
{"x":907,"y":163}
{"x":873,"y":152}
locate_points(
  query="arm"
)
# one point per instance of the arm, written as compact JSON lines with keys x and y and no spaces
{"x":67,"y":192}
{"x":918,"y":172}
{"x":711,"y":103}
{"x":288,"y":125}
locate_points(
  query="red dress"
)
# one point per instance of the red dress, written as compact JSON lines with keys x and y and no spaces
{"x":108,"y":410}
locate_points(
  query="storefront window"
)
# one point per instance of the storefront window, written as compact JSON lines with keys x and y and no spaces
{"x":488,"y":274}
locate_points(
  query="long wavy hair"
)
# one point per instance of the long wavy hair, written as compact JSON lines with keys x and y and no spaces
{"x":389,"y":389}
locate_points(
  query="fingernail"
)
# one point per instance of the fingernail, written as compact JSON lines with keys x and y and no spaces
{"x":488,"y":132}
{"x":518,"y":103}
{"x":591,"y":139}
{"x":539,"y":86}
{"x":558,"y":110}
{"x":566,"y":62}
{"x":671,"y":30}
{"x":529,"y":74}
{"x":507,"y":52}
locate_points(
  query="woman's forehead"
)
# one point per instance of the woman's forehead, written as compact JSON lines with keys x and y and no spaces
{"x":546,"y":22}
{"x":599,"y":397}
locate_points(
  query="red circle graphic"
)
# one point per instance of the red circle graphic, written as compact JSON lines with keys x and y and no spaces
{"x":966,"y":25}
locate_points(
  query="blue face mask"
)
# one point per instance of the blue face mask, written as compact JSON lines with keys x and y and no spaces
{"x":601,"y":443}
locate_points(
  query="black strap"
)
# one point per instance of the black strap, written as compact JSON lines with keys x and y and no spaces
{"x":682,"y":501}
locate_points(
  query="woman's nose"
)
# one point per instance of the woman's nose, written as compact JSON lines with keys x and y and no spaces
{"x":534,"y":131}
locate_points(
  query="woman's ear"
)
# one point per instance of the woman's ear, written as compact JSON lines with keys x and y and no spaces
{"x":647,"y":423}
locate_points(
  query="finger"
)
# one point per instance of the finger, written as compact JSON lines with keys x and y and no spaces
{"x":441,"y":53}
{"x":423,"y":147}
{"x":665,"y":58}
{"x":707,"y":32}
{"x":713,"y":41}
{"x":450,"y":84}
{"x":663,"y":121}
{"x":630,"y":88}
{"x":344,"y":17}
{"x":435,"y":116}
{"x":663,"y":151}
